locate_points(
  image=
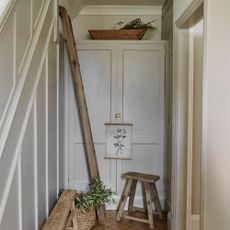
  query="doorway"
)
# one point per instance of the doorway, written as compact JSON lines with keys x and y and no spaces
{"x":194,"y":125}
{"x":187,"y":121}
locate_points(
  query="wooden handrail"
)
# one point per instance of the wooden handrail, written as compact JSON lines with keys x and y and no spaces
{"x":5,"y":10}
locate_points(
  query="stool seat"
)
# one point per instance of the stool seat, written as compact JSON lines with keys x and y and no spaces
{"x":141,"y":177}
{"x":151,"y":194}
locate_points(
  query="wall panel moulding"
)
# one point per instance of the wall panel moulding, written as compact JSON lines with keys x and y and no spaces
{"x":121,"y":10}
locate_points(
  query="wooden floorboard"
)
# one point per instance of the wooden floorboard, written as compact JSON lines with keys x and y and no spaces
{"x":124,"y":224}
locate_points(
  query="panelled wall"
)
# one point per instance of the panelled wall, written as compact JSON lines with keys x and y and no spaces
{"x":30,"y":135}
{"x":125,"y":78}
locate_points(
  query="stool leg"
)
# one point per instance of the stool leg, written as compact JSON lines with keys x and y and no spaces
{"x":149,"y":204}
{"x":132,"y":195}
{"x":123,"y":198}
{"x":156,"y":200}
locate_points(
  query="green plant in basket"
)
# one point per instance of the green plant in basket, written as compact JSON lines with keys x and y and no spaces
{"x":137,"y":23}
{"x":98,"y":194}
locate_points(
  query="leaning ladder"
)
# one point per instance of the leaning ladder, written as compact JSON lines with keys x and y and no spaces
{"x":81,"y":102}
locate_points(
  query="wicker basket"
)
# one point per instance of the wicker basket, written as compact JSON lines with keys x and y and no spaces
{"x":85,"y":221}
{"x":79,"y":220}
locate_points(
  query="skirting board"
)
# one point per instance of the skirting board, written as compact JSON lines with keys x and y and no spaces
{"x":167,"y":205}
{"x":138,"y":202}
{"x":169,"y":221}
{"x":195,"y":222}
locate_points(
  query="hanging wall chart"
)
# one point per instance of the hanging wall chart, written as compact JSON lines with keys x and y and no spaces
{"x":118,"y":138}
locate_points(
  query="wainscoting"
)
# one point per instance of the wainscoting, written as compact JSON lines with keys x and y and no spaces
{"x":30,"y":87}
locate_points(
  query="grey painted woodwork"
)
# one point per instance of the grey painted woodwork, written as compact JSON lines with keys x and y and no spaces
{"x":30,"y":135}
{"x":126,"y":78}
{"x":41,"y":146}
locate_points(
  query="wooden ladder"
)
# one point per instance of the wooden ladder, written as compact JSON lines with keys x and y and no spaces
{"x":81,"y":102}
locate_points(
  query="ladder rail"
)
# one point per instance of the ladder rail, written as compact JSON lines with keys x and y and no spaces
{"x":81,"y":103}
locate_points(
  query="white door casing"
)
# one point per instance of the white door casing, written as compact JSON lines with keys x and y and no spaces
{"x":182,"y":116}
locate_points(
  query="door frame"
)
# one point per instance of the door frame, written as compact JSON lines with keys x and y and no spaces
{"x":182,"y":118}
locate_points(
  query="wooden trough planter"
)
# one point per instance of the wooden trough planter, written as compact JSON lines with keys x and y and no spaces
{"x":130,"y":34}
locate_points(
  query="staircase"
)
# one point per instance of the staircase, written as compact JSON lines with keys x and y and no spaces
{"x":31,"y":174}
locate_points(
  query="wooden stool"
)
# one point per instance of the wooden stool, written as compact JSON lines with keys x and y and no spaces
{"x":150,"y":192}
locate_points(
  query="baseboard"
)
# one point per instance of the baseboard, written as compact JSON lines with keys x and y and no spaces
{"x":167,"y":206}
{"x":169,"y":220}
{"x":138,"y":202}
{"x":195,"y":222}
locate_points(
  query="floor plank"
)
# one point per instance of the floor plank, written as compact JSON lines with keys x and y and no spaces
{"x":124,"y":224}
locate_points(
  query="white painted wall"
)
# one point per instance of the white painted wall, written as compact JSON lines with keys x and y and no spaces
{"x":180,"y":6}
{"x":106,"y":17}
{"x":81,"y":24}
{"x":216,"y":116}
{"x":29,"y":115}
{"x":75,"y":6}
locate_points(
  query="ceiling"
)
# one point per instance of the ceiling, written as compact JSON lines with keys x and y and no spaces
{"x":74,"y":6}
